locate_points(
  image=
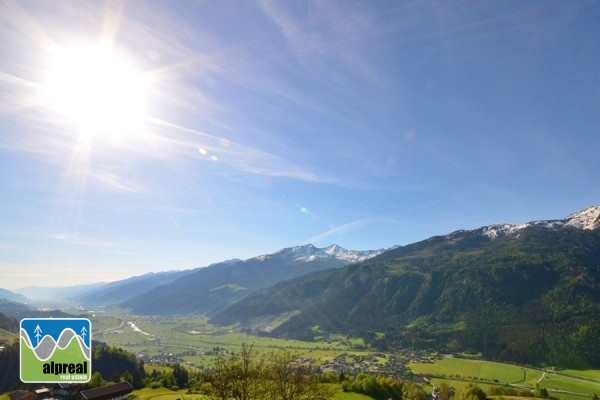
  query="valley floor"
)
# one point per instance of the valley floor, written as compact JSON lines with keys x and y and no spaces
{"x":195,"y":343}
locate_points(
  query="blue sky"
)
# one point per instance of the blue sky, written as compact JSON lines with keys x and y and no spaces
{"x":268,"y":124}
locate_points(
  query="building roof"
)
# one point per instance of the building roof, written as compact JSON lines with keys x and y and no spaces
{"x":64,"y":385}
{"x":107,"y":392}
{"x":20,"y":394}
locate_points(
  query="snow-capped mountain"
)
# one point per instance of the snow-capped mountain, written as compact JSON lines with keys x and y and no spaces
{"x":309,"y":252}
{"x":585,"y":219}
{"x":544,"y":272}
{"x":211,"y":289}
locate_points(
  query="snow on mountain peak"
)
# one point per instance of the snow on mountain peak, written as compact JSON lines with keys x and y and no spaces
{"x":585,"y":219}
{"x":309,"y":252}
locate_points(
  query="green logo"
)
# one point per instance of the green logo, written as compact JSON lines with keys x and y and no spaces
{"x":56,"y":350}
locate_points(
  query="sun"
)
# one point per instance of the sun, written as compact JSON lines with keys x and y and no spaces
{"x":98,"y":90}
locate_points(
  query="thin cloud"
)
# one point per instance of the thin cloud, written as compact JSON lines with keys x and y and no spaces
{"x":340,"y":230}
{"x":242,"y":157}
{"x":115,"y":182}
{"x":348,"y":35}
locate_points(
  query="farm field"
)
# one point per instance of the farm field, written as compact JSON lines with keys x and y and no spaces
{"x":590,"y":374}
{"x":195,"y":340}
{"x":479,"y":370}
{"x":458,"y":373}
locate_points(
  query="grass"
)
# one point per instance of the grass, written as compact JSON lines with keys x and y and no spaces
{"x":589,"y":374}
{"x":177,"y":335}
{"x":478,"y":370}
{"x":8,"y":337}
{"x":569,"y":384}
{"x":165,"y":394}
{"x":159,"y":368}
{"x":458,"y":373}
{"x":341,"y":395}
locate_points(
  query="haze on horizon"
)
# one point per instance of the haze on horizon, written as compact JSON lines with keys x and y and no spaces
{"x":151,"y":136}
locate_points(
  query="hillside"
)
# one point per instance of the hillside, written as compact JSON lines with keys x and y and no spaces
{"x":56,"y":294}
{"x":119,"y":291}
{"x":12,"y":296}
{"x":211,"y":289}
{"x":527,"y":293}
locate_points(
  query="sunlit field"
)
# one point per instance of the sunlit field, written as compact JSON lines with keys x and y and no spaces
{"x":458,"y":373}
{"x":478,"y":370}
{"x":177,"y":335}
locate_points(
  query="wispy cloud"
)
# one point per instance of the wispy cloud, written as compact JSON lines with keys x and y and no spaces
{"x":116,"y":182}
{"x":340,"y":230}
{"x":329,"y":35}
{"x":239,"y":156}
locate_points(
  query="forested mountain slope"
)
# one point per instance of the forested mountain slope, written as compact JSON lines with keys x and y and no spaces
{"x":528,"y":293}
{"x":211,"y":289}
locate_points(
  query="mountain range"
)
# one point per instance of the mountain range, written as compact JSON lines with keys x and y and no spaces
{"x":211,"y":289}
{"x":202,"y":290}
{"x":12,"y":296}
{"x":528,"y":293}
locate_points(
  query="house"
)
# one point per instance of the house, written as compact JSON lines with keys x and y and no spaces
{"x":65,"y":389}
{"x":21,"y":395}
{"x":43,"y":393}
{"x":117,"y":391}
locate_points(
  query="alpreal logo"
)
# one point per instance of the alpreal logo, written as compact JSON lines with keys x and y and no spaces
{"x":56,"y":350}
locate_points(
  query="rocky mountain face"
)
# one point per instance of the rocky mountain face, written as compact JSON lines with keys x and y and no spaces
{"x":588,"y":219}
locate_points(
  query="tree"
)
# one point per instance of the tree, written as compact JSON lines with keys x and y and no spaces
{"x":9,"y":367}
{"x":446,"y":392}
{"x":96,"y":380}
{"x":287,"y":380}
{"x":180,"y":375}
{"x":238,"y":377}
{"x":139,"y":375}
{"x":474,"y":392}
{"x":245,"y":376}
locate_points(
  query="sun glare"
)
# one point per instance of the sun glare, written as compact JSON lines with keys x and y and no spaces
{"x":98,"y":91}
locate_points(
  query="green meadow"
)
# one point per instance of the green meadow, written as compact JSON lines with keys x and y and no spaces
{"x":177,"y":335}
{"x":459,"y":372}
{"x":478,"y":370}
